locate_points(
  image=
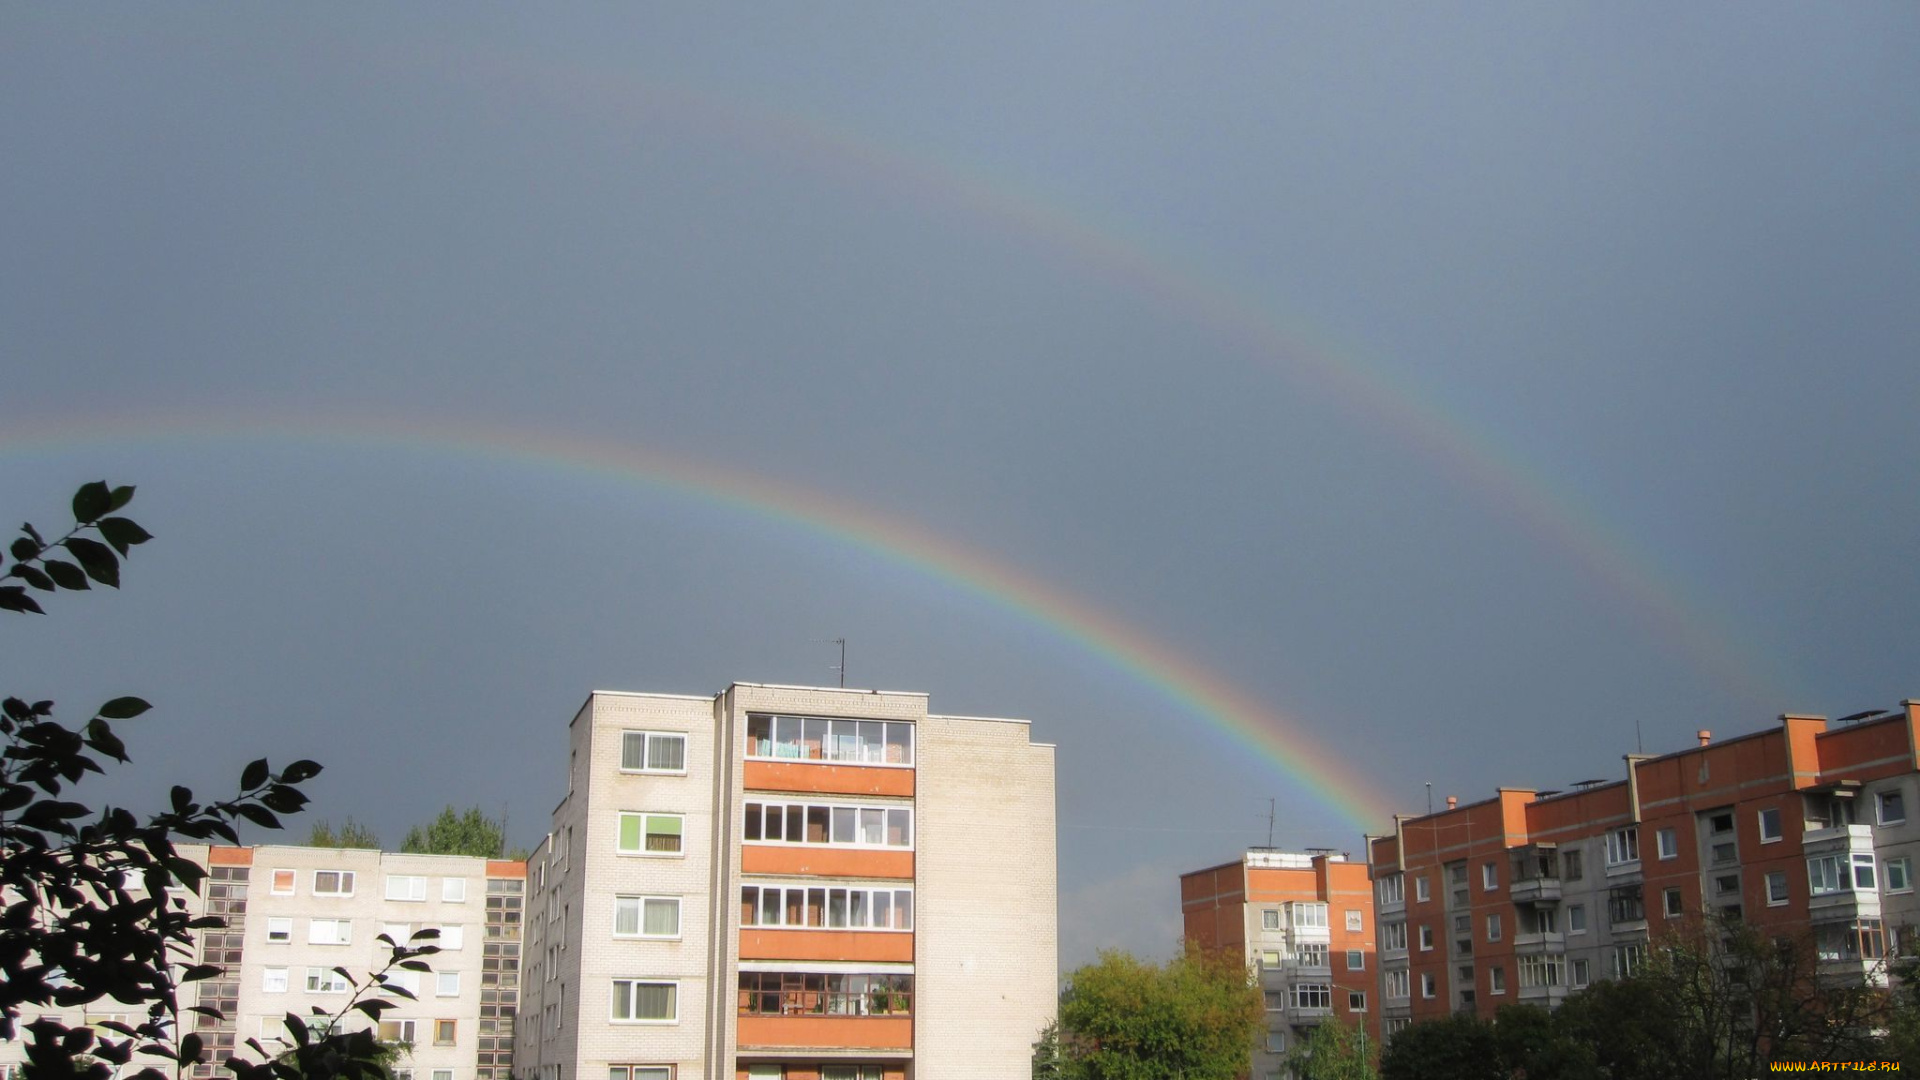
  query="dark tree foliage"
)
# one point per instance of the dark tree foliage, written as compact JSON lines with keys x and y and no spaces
{"x":86,"y":912}
{"x":350,"y":834}
{"x":1193,"y":1018}
{"x":472,"y":833}
{"x":1460,"y":1047}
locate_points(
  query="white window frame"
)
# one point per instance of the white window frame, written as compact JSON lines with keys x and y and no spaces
{"x":442,"y":988}
{"x":322,"y":980}
{"x":1489,"y":877}
{"x":329,"y":931}
{"x":1672,"y":903}
{"x":640,"y":902}
{"x":1393,"y":889}
{"x":1778,"y":877}
{"x":1880,"y":800}
{"x":1422,"y":891}
{"x":631,"y":998}
{"x":1399,"y":984}
{"x":292,"y":878}
{"x":647,"y":818}
{"x":1669,"y":843}
{"x":1356,"y":921}
{"x":1623,"y":846}
{"x":268,"y":980}
{"x":665,"y":1072}
{"x":1903,"y":866}
{"x":407,"y":888}
{"x":1493,"y":927}
{"x":1429,"y":985}
{"x":344,"y":882}
{"x":453,"y":890}
{"x":1774,"y":835}
{"x":1393,"y":937}
{"x":1269,"y":918}
{"x":1579,"y":973}
{"x":442,"y":1074}
{"x":1496,"y":980}
{"x":646,"y":739}
{"x":1426,"y":938}
{"x":1356,"y":1001}
{"x":1356,"y":960}
{"x":756,"y":809}
{"x":834,"y":750}
{"x":279,"y":931}
{"x":1582,"y":910}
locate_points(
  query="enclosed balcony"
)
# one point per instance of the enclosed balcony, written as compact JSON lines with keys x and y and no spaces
{"x":1536,"y":875}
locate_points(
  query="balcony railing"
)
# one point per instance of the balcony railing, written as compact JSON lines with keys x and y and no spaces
{"x":1535,"y":890}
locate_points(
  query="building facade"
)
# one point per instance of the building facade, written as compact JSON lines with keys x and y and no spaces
{"x":811,"y":884}
{"x":1800,"y":829}
{"x":294,"y":914}
{"x":1306,"y":923}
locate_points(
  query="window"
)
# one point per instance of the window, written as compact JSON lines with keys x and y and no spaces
{"x":650,"y":834}
{"x":646,"y":916}
{"x":1726,"y":885}
{"x":1863,"y":939}
{"x":638,"y":1000}
{"x":400,"y":1031}
{"x":832,"y":908}
{"x":444,"y":1031}
{"x":330,"y":932}
{"x":1489,"y":878}
{"x":1270,"y":958}
{"x":443,"y":1074}
{"x":1899,"y":875}
{"x":791,"y":993}
{"x":279,"y":931}
{"x":405,"y":980}
{"x":333,"y":883}
{"x":1625,"y":906}
{"x":1572,"y":865}
{"x":283,"y":882}
{"x":1308,"y":915}
{"x":1770,"y":825}
{"x":273,"y":980}
{"x":1356,"y":960}
{"x":1312,"y":997}
{"x":1421,"y":892}
{"x":1893,"y":808}
{"x":405,"y":887}
{"x":1623,"y":846}
{"x":1393,"y":889}
{"x":1426,"y":938}
{"x":1725,"y":854}
{"x":1393,"y":936}
{"x":1356,"y":1001}
{"x":1776,"y":888}
{"x":326,"y":981}
{"x":653,"y":751}
{"x":838,"y":826}
{"x":1863,"y":872}
{"x":1627,"y":960}
{"x":1669,"y":844}
{"x":1398,"y":984}
{"x":1356,"y":922}
{"x":446,"y":984}
{"x":1429,"y":985}
{"x":1276,"y":1001}
{"x":1580,"y":974}
{"x":665,"y":1072}
{"x":452,"y":938}
{"x":1545,"y":921}
{"x":1826,"y":874}
{"x":1496,"y":980}
{"x":848,"y":1072}
{"x":1270,"y":919}
{"x":812,"y":738}
{"x":1277,"y":1042}
{"x":1670,"y":903}
{"x":453,"y":890}
{"x":1493,"y":928}
{"x":1312,"y":955}
{"x":1576,"y":918}
{"x":1720,"y":824}
{"x":1540,"y":970}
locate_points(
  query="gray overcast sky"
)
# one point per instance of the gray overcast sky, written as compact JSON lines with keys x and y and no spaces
{"x":1465,"y":385}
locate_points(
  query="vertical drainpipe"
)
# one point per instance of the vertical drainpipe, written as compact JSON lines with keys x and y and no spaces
{"x":1399,"y":843}
{"x":1633,"y":786}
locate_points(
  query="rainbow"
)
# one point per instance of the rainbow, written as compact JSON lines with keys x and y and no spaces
{"x":1499,"y":476}
{"x":1180,"y":679}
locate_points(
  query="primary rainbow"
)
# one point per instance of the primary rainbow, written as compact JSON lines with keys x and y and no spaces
{"x":1185,"y":682}
{"x":1440,"y":437}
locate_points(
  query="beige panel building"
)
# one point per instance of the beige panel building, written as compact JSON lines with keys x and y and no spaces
{"x":801,"y":883}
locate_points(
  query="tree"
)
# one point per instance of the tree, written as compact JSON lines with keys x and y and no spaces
{"x":1195,"y":1018}
{"x":87,"y":912}
{"x":1458,"y":1047}
{"x":1335,"y":1051}
{"x":350,"y":834}
{"x":454,"y":833}
{"x":1048,"y":1062}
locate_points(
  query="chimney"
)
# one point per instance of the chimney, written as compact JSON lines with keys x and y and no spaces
{"x":1453,"y":801}
{"x":1704,"y":736}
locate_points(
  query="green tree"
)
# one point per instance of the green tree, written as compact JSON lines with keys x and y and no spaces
{"x":1458,"y":1047}
{"x":454,"y":833}
{"x":88,"y":914}
{"x":1048,"y":1061}
{"x":1194,"y":1018}
{"x":1334,"y":1051}
{"x":350,"y":834}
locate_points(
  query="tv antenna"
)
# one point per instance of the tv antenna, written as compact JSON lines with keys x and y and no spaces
{"x":841,"y":667}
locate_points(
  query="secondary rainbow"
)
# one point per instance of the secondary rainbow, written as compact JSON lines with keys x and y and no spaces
{"x":1180,"y":679}
{"x":1438,"y":436}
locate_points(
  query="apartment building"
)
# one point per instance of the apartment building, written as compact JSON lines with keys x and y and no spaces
{"x":1801,"y":828}
{"x":294,"y":914}
{"x":802,"y":883}
{"x":1306,"y":922}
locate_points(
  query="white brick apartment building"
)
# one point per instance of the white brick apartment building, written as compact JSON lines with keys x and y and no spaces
{"x":810,"y":884}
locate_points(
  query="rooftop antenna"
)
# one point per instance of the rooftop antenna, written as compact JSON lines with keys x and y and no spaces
{"x":1270,"y":823}
{"x":1429,"y":798}
{"x":842,"y":666}
{"x":1638,"y":747}
{"x":502,"y":853}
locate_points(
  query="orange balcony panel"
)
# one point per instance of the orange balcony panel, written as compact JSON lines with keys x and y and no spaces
{"x":810,"y":1070}
{"x":849,"y":1032}
{"x":229,"y":856}
{"x":828,"y":779}
{"x":825,"y":861}
{"x":759,"y":944}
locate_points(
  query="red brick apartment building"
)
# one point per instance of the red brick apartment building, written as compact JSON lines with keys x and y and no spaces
{"x":1531,"y":895}
{"x":1306,"y":921}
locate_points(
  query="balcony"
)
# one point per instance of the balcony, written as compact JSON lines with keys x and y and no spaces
{"x":1543,"y":995}
{"x":1539,"y":890}
{"x":1837,"y":838}
{"x":1539,"y":942}
{"x":1308,"y":1015}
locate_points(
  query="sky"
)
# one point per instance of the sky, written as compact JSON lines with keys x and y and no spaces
{"x":1285,"y":407}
